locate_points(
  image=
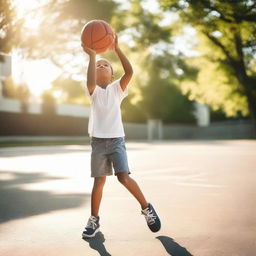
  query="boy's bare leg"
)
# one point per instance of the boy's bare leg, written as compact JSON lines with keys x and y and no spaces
{"x":133,"y":187}
{"x":97,"y":195}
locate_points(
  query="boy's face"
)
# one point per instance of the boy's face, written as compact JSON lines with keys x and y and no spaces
{"x":104,"y":73}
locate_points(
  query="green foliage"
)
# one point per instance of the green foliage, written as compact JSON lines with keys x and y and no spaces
{"x":228,"y":45}
{"x":72,"y":92}
{"x":84,"y":10}
{"x":15,"y":91}
{"x":9,"y":26}
{"x":58,"y":36}
{"x":9,"y":89}
{"x":162,"y":99}
{"x":142,"y":25}
{"x":133,"y":113}
{"x":214,"y":87}
{"x":153,"y":90}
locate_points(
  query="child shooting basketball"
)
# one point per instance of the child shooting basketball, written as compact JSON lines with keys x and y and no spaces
{"x":107,"y":136}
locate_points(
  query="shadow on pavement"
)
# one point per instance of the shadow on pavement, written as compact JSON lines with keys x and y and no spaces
{"x":42,"y":150}
{"x":172,"y":247}
{"x":96,"y":243}
{"x":17,"y":202}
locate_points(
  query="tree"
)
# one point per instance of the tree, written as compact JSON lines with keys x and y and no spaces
{"x":72,"y":92}
{"x":154,"y":85}
{"x":58,"y":38}
{"x":58,"y":35}
{"x":162,"y":98}
{"x":9,"y":88}
{"x":229,"y":27}
{"x":9,"y":26}
{"x":14,"y":91}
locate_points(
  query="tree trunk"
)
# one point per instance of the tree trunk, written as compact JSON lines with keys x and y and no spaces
{"x":236,"y":61}
{"x":245,"y":80}
{"x":251,"y":105}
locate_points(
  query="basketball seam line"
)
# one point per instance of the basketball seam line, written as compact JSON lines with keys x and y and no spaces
{"x":99,"y":40}
{"x":101,"y":37}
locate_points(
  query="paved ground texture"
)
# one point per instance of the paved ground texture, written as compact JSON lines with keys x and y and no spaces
{"x":204,"y":192}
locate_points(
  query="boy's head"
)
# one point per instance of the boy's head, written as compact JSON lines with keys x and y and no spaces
{"x":104,"y":73}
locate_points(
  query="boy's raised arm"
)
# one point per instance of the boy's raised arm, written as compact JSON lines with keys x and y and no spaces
{"x":91,"y":73}
{"x":128,"y":71}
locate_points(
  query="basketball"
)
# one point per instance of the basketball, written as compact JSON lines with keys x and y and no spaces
{"x":97,"y":35}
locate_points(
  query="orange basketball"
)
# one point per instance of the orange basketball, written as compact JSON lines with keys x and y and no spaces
{"x":97,"y":35}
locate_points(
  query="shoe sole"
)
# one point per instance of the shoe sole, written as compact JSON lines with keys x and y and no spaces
{"x":90,"y":236}
{"x":155,"y":230}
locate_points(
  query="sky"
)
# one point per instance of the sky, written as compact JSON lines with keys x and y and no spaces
{"x":39,"y":74}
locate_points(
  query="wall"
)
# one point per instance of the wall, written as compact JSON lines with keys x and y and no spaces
{"x":13,"y":105}
{"x":219,"y":130}
{"x":135,"y":131}
{"x":72,"y":120}
{"x":10,"y":105}
{"x":39,"y":124}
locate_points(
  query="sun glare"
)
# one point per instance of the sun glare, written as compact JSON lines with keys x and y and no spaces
{"x":25,"y":10}
{"x":25,"y":6}
{"x":37,"y":75}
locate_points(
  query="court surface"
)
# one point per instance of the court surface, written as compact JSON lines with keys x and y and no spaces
{"x":204,"y":192}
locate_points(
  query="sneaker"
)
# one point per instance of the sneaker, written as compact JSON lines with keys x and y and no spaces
{"x":152,"y":218}
{"x":92,"y":227}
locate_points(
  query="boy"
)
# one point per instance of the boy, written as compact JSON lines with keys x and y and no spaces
{"x":107,"y":136}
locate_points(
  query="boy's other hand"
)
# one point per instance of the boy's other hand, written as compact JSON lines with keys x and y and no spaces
{"x":89,"y":51}
{"x":115,"y":46}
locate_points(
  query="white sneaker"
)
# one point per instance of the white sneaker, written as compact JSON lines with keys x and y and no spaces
{"x":92,"y":227}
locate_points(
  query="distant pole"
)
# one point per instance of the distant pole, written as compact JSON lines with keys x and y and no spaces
{"x":202,"y":114}
{"x":155,"y":129}
{"x":150,"y":129}
{"x":160,"y":130}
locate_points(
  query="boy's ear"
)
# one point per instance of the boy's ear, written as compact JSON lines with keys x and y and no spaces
{"x":112,"y":78}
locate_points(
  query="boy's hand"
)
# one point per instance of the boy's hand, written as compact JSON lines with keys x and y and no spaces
{"x":89,"y":51}
{"x":125,"y":63}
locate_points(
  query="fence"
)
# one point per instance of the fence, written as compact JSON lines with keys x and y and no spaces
{"x":55,"y":125}
{"x":14,"y":122}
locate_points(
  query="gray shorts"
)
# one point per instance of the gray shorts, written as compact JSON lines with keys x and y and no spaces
{"x":106,"y":154}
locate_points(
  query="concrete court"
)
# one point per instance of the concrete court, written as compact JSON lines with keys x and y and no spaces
{"x":204,"y":192}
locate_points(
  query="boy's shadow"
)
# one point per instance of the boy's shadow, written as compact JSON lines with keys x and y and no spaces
{"x":173,"y":248}
{"x":96,"y":243}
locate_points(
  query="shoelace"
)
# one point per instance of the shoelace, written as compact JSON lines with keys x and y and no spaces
{"x":92,"y":223}
{"x":150,"y":217}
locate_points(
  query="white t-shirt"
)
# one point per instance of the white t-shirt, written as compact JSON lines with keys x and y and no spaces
{"x":105,"y":119}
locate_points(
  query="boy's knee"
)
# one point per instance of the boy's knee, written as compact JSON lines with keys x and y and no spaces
{"x":99,"y":181}
{"x":123,"y":178}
